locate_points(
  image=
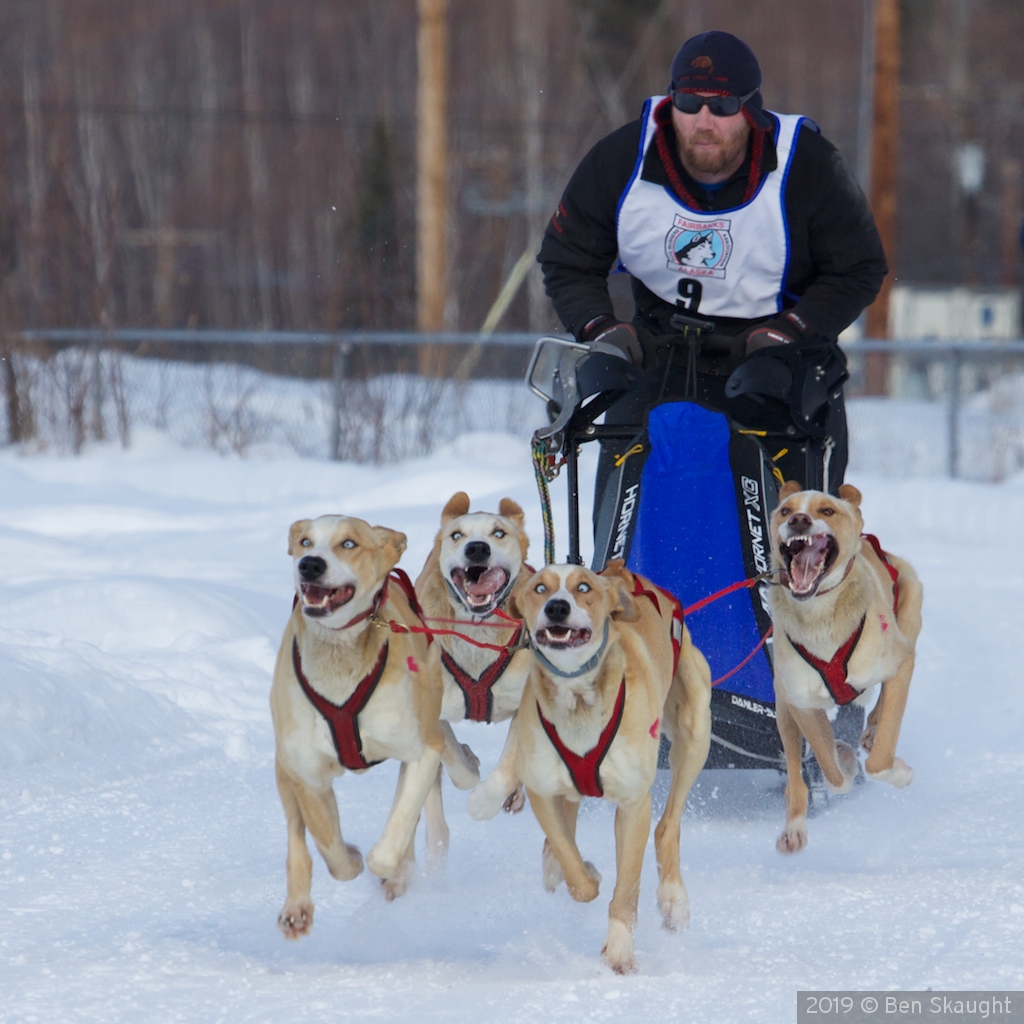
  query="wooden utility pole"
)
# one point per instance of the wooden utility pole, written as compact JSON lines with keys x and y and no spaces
{"x":432,"y":176}
{"x":1012,"y":212}
{"x":884,"y":174}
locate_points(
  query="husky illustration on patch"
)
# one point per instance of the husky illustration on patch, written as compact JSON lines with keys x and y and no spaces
{"x":698,"y":249}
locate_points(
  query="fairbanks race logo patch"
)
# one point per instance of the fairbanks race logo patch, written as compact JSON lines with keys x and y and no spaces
{"x":698,"y":248}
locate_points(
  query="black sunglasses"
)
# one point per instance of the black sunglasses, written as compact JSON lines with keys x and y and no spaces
{"x":720,"y":106}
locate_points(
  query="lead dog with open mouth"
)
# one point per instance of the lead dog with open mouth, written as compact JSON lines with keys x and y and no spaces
{"x":348,"y":694}
{"x":465,"y":586}
{"x":847,"y":616}
{"x":613,"y":668}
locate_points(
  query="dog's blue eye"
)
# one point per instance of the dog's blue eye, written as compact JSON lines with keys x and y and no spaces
{"x":541,"y":589}
{"x":306,"y":542}
{"x":584,"y":588}
{"x":499,"y":533}
{"x":456,"y":535}
{"x":348,"y":544}
{"x":828,"y":511}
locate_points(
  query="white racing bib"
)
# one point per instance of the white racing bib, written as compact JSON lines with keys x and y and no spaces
{"x":728,"y":263}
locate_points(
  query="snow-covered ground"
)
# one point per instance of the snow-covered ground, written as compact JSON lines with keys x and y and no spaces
{"x":142,"y":845}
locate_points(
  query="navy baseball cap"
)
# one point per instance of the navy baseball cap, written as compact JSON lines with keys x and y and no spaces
{"x":718,"y":62}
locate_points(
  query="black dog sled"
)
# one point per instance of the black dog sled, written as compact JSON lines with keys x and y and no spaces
{"x":684,"y":494}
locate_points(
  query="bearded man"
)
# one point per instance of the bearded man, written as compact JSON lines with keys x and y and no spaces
{"x":741,"y":217}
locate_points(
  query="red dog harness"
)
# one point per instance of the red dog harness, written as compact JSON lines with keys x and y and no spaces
{"x":584,"y":770}
{"x":834,"y":671}
{"x":342,"y":718}
{"x":677,"y":614}
{"x":477,"y":692}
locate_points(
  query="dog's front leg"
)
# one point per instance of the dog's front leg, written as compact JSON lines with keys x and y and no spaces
{"x":837,"y":760}
{"x":581,"y":878}
{"x":882,"y":764}
{"x":632,"y":827}
{"x":687,"y":722}
{"x":436,"y":828}
{"x":462,"y":764}
{"x":794,"y":835}
{"x":502,"y":785}
{"x":317,"y":810}
{"x":414,"y":781}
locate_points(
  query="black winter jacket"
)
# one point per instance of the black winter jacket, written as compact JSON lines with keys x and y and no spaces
{"x":836,"y":260}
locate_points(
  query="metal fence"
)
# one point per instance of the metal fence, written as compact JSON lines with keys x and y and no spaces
{"x":953,"y":409}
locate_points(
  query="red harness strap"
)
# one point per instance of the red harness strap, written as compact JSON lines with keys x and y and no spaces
{"x":833,"y":673}
{"x":341,"y":718}
{"x":584,"y":770}
{"x":477,"y":692}
{"x":677,"y":614}
{"x":893,"y":572}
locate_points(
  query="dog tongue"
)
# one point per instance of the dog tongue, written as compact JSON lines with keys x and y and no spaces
{"x":803,"y":570}
{"x":487,"y":584}
{"x":316,"y":595}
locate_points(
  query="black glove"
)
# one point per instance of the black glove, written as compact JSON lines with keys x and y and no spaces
{"x":780,"y":330}
{"x":613,"y":332}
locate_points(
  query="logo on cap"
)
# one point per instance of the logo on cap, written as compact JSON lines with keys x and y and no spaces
{"x":703,"y":62}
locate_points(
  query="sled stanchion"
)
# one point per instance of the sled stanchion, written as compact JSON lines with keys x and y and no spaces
{"x":573,"y":483}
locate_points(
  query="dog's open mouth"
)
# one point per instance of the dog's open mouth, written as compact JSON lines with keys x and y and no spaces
{"x":561,"y":638}
{"x":480,"y":587}
{"x":320,"y":601}
{"x":807,"y":561}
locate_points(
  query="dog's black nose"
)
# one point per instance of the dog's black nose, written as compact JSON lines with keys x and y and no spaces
{"x":477,"y":552}
{"x":800,"y":522}
{"x":312,"y":567}
{"x":557,"y":610}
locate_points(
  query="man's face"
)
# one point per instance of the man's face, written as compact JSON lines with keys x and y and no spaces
{"x":711,"y":148}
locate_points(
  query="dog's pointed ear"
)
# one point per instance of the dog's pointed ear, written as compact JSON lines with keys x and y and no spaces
{"x":514,"y":607}
{"x":621,"y":581}
{"x":458,"y":505}
{"x":510,"y":510}
{"x":789,"y":488}
{"x":392,"y":544}
{"x":295,"y":535}
{"x":850,"y":493}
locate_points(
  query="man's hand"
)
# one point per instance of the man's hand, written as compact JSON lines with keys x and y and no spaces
{"x":621,"y":336}
{"x":780,"y":330}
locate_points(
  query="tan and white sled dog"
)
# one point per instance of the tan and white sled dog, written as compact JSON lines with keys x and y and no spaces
{"x":846,"y":617}
{"x":348,"y":694}
{"x":603,"y":687}
{"x":468,"y":576}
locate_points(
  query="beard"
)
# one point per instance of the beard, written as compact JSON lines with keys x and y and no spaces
{"x":712,"y":160}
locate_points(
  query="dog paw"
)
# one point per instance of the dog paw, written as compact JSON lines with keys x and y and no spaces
{"x":397,"y":884}
{"x":483,"y":803}
{"x":346,"y":866}
{"x":515,"y":802}
{"x":552,"y":870}
{"x":471,"y":758}
{"x":587,"y":888}
{"x":846,"y":758}
{"x":867,"y":737}
{"x":618,"y":948}
{"x":674,"y":906}
{"x":296,"y":919}
{"x":899,"y":775}
{"x":382,"y":862}
{"x":794,"y":836}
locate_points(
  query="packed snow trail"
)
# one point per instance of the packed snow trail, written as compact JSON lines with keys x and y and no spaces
{"x":142,"y":842}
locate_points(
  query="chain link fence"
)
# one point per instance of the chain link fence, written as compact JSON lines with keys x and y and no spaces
{"x":953,"y":409}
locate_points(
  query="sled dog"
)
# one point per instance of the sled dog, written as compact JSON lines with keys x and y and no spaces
{"x":846,"y":617}
{"x":468,"y":576}
{"x":613,"y":668}
{"x":348,"y":694}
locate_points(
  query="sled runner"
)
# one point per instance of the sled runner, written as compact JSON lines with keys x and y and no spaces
{"x":684,"y":494}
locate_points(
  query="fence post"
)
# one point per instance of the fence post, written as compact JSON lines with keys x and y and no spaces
{"x":953,"y":426}
{"x":339,"y":362}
